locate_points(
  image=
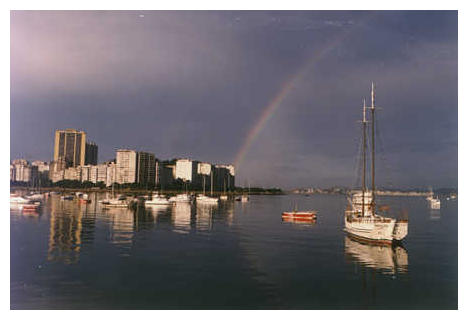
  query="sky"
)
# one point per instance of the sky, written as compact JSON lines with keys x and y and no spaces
{"x":277,"y":93}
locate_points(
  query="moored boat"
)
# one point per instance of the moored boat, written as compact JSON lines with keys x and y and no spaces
{"x":118,"y":202}
{"x":202,"y":199}
{"x":300,"y":215}
{"x":157,"y":200}
{"x":185,"y":197}
{"x":361,"y":218}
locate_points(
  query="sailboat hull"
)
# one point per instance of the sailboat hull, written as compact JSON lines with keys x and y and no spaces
{"x":385,"y":231}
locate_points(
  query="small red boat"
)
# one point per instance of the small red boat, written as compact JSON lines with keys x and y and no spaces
{"x":30,"y":207}
{"x":300,"y":215}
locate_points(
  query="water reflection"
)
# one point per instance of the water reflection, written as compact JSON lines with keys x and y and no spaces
{"x":122,"y":226}
{"x":434,"y":215}
{"x":204,"y":216}
{"x":386,"y":259}
{"x":181,"y":217}
{"x":65,"y":231}
{"x":299,"y":223}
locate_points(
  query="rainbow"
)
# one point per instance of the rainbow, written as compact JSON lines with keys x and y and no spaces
{"x":275,"y":103}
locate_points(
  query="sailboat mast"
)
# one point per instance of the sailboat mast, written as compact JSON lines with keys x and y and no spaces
{"x":211,"y":183}
{"x":364,"y":143}
{"x":373,"y":147}
{"x":203,"y":184}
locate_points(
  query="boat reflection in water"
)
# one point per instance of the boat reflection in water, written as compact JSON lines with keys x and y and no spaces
{"x":181,"y":217}
{"x":434,"y":215}
{"x":386,"y":259}
{"x":302,"y":222}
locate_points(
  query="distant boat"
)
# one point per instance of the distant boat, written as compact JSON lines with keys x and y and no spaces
{"x":118,"y":202}
{"x":361,"y":219}
{"x":35,"y":196}
{"x":20,"y":203}
{"x":305,"y":216}
{"x":224,"y":196}
{"x":434,"y":202}
{"x":202,"y":199}
{"x":15,"y":199}
{"x":157,"y":200}
{"x":184,"y":197}
{"x":69,"y":197}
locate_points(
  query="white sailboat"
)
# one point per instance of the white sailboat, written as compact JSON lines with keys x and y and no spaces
{"x":157,"y":200}
{"x":120,"y":201}
{"x":434,"y":202}
{"x":183,"y":198}
{"x":361,"y":218}
{"x":224,"y":196}
{"x":202,"y":198}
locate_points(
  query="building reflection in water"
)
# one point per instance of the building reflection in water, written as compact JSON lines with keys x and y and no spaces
{"x":385,"y":259}
{"x":65,"y":231}
{"x":204,"y":216}
{"x":121,"y":227}
{"x":226,"y":212}
{"x":181,"y":217}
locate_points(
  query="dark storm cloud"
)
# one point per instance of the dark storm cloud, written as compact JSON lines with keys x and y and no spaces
{"x":194,"y":83}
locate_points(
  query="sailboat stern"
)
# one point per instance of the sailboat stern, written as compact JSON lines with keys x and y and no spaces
{"x":401,"y":230}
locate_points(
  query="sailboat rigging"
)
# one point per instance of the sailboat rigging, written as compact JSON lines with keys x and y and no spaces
{"x":361,"y":218}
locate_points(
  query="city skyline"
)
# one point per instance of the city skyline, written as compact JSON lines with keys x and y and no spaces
{"x":276,"y":93}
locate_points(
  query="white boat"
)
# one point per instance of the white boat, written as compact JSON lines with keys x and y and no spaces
{"x":434,"y":203}
{"x":244,"y":198}
{"x":185,"y":197}
{"x":35,"y":196}
{"x":119,"y":202}
{"x":224,"y":196}
{"x":202,"y":199}
{"x":15,"y":199}
{"x":20,"y":203}
{"x":361,"y":219}
{"x":157,"y":200}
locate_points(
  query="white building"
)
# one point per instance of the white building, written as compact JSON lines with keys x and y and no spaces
{"x":86,"y":173}
{"x":104,"y":172}
{"x":42,"y":166}
{"x":21,"y":170}
{"x":204,"y":168}
{"x":184,"y":169}
{"x":126,"y":166}
{"x":72,"y":173}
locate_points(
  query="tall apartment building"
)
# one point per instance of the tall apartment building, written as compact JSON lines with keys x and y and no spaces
{"x":91,"y":153}
{"x":146,"y":168}
{"x":165,"y":173}
{"x":126,"y":166}
{"x":71,"y":146}
{"x":224,"y":177}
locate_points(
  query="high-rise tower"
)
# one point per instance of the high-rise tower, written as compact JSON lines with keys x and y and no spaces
{"x":72,"y":148}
